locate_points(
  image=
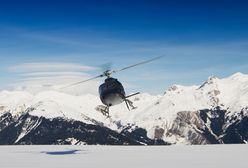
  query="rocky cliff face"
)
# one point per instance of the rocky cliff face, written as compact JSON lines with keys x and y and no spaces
{"x":31,"y":130}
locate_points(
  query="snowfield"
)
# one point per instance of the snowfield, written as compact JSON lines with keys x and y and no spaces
{"x":206,"y":156}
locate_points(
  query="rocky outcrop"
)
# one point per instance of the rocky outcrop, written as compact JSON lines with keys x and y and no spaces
{"x":29,"y":130}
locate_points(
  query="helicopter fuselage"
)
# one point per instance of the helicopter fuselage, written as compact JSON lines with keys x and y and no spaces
{"x":111,"y":92}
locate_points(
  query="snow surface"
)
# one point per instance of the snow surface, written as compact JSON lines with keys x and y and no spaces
{"x":212,"y":156}
{"x":153,"y":111}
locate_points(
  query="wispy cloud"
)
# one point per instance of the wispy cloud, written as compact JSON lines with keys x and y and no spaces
{"x":50,"y":74}
{"x":46,"y":67}
{"x":37,"y":77}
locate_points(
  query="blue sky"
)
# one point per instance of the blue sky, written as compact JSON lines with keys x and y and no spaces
{"x":199,"y":39}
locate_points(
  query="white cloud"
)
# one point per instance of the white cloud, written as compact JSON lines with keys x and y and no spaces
{"x":46,"y":67}
{"x":45,"y":74}
{"x":38,"y":77}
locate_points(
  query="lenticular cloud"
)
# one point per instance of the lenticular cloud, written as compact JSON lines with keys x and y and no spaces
{"x":37,"y":77}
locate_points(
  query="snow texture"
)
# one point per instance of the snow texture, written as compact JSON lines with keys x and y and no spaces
{"x":214,"y":156}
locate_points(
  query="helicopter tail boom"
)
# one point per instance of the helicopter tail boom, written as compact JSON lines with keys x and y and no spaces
{"x":132,"y":95}
{"x":129,"y":103}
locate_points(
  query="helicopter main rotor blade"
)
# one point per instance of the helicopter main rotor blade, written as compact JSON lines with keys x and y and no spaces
{"x":99,"y":76}
{"x":108,"y":73}
{"x":141,"y":63}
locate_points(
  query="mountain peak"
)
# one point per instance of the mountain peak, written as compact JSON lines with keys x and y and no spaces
{"x":238,"y":75}
{"x":211,"y":80}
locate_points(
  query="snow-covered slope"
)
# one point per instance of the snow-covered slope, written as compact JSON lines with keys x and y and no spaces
{"x":175,"y":116}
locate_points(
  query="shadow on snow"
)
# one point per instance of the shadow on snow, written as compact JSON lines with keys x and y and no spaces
{"x":67,"y":152}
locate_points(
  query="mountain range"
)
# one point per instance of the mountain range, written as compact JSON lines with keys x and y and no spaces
{"x":215,"y":112}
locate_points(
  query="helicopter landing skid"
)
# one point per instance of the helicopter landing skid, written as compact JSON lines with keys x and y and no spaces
{"x":129,"y":103}
{"x":103,"y":109}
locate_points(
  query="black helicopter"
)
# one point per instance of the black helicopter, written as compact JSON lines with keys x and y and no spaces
{"x":111,"y":91}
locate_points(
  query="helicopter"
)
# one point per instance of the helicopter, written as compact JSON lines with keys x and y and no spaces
{"x":112,"y":92}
